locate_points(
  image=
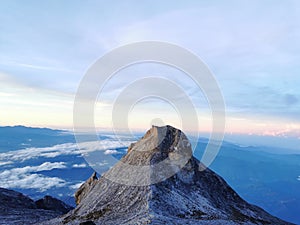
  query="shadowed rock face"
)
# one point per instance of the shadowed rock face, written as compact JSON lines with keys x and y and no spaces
{"x":50,"y":203}
{"x":188,"y":196}
{"x":16,"y":208}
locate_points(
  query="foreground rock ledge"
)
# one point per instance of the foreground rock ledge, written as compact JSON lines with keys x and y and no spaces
{"x":188,"y":197}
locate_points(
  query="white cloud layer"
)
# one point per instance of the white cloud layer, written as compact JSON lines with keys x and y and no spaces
{"x":25,"y":177}
{"x":62,"y":149}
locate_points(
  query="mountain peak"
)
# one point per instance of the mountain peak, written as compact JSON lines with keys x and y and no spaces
{"x":170,"y":189}
{"x":158,"y":155}
{"x":158,"y":144}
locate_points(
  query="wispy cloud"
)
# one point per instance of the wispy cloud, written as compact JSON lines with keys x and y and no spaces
{"x":36,"y":66}
{"x":110,"y":152}
{"x":5,"y":163}
{"x":82,"y":165}
{"x":76,"y":186}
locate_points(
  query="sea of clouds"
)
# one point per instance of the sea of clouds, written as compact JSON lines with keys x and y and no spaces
{"x":29,"y":177}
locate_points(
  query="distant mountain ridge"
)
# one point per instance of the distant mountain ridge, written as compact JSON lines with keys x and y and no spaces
{"x":189,"y":196}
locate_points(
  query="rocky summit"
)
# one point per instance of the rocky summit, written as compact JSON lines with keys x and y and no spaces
{"x":172,"y":187}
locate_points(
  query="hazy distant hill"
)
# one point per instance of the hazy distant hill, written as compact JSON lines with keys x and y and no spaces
{"x":268,"y":180}
{"x":18,"y":137}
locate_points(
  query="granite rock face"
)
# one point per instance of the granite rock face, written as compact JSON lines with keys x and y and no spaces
{"x":16,"y":208}
{"x":189,"y":196}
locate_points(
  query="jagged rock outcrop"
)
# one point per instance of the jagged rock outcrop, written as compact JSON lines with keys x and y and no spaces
{"x":188,"y":195}
{"x":85,"y":188}
{"x":16,"y":208}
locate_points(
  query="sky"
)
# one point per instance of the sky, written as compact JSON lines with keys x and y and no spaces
{"x":251,"y":47}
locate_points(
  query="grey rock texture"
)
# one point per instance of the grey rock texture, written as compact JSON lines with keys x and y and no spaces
{"x":190,"y":196}
{"x":16,"y":208}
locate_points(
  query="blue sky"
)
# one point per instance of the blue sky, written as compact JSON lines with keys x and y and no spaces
{"x":252,"y":47}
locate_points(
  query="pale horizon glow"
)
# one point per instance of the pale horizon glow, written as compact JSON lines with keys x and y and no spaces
{"x":252,"y":47}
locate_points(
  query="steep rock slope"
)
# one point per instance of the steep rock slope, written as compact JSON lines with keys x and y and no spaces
{"x":187,"y":195}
